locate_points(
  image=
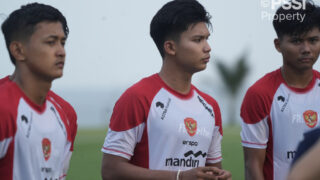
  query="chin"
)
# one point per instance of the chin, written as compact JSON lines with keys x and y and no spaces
{"x":203,"y":67}
{"x":57,"y":76}
{"x":304,"y":68}
{"x":199,"y":69}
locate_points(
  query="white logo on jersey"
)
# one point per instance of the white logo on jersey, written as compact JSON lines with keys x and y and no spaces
{"x":202,"y":131}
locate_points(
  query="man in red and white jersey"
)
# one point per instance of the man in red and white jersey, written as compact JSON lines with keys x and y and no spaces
{"x":163,"y":127}
{"x":7,"y":78}
{"x":37,"y":127}
{"x":284,"y":104}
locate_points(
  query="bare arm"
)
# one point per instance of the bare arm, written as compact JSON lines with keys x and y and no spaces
{"x":218,"y":165}
{"x":307,"y":167}
{"x":115,"y":167}
{"x":224,"y":174}
{"x":254,"y":160}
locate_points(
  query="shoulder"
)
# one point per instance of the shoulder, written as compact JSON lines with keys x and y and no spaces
{"x":4,"y":80}
{"x":9,"y":94}
{"x":146,"y":88}
{"x":53,"y":96}
{"x":208,"y":98}
{"x":133,"y":106}
{"x":9,"y":100}
{"x":258,"y":99}
{"x":263,"y":90}
{"x":317,"y":74}
{"x":267,"y":85}
{"x":5,"y":102}
{"x":63,"y":104}
{"x":214,"y":104}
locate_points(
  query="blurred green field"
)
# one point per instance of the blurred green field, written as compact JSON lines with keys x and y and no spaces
{"x":86,"y":159}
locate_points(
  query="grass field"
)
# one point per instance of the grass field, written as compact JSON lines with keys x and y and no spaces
{"x":86,"y":159}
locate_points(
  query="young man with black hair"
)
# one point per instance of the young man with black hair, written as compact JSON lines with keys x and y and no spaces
{"x":163,"y":127}
{"x":285,"y":103}
{"x":37,"y":127}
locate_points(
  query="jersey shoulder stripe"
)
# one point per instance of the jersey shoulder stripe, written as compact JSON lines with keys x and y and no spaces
{"x":70,"y":120}
{"x":134,"y":104}
{"x":215,"y":106}
{"x":257,"y":102}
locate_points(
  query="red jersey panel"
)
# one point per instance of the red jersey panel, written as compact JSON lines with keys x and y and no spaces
{"x":5,"y":79}
{"x":156,"y":127}
{"x":275,"y":117}
{"x":35,"y":141}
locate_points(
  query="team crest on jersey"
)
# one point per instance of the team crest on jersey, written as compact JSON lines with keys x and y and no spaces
{"x":191,"y":126}
{"x":46,"y":148}
{"x":310,"y":118}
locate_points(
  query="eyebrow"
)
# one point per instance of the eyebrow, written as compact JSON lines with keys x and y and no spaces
{"x":201,"y":36}
{"x":313,"y":37}
{"x":55,"y":37}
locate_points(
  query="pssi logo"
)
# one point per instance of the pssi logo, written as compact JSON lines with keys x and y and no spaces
{"x":46,"y":148}
{"x":191,"y":126}
{"x":310,"y":118}
{"x":286,"y":4}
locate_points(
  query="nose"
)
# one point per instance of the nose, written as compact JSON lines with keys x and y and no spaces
{"x":206,"y":47}
{"x":305,"y":48}
{"x":61,"y":51}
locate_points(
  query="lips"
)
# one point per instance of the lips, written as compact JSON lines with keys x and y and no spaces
{"x":60,"y":64}
{"x":306,"y":60}
{"x":206,"y":59}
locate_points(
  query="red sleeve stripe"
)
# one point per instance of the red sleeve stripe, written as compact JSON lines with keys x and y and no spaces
{"x":108,"y":149}
{"x":61,"y":177}
{"x":213,"y":159}
{"x":253,"y":143}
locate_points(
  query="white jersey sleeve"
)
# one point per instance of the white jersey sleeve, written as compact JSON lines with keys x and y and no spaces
{"x":255,"y":117}
{"x":255,"y":135}
{"x":123,"y":143}
{"x":214,"y":153}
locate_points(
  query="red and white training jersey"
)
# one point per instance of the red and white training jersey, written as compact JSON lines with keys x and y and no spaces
{"x":275,"y":117}
{"x":156,"y":127}
{"x":5,"y":79}
{"x":36,"y":142}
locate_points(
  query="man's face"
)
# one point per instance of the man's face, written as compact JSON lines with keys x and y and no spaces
{"x":44,"y":51}
{"x":192,"y":49}
{"x":300,"y":52}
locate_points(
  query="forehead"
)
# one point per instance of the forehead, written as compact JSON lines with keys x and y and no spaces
{"x":311,"y":33}
{"x":200,"y":28}
{"x":46,"y":29}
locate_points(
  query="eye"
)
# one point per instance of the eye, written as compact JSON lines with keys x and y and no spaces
{"x":314,"y":40}
{"x":51,"y":43}
{"x":197,"y":40}
{"x":296,"y":41}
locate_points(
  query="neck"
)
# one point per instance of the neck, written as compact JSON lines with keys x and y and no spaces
{"x":35,"y":88}
{"x":300,"y":79}
{"x":175,"y":77}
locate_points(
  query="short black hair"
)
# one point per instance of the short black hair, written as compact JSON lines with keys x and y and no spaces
{"x":21,"y":23}
{"x":175,"y":17}
{"x":296,"y":26}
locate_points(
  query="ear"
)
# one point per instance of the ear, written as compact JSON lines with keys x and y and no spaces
{"x":17,"y":50}
{"x":277,"y":44}
{"x":170,"y":47}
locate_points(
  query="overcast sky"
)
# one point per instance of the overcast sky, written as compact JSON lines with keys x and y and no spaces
{"x":109,"y":43}
{"x":109,"y":48}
